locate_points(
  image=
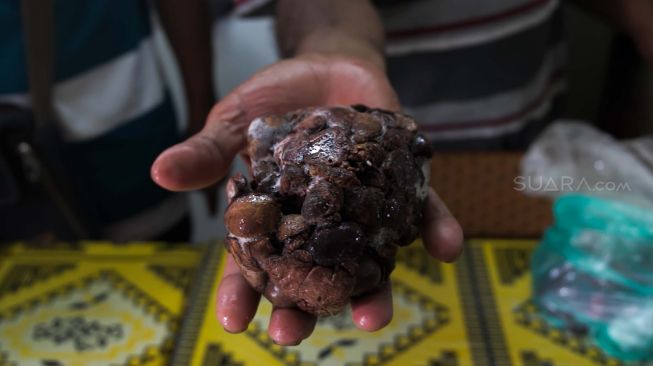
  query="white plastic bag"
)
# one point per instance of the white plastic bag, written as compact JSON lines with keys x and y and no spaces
{"x":574,"y":157}
{"x":594,"y":265}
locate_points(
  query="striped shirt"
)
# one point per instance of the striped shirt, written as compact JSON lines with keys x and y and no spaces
{"x":476,"y":74}
{"x":115,"y":112}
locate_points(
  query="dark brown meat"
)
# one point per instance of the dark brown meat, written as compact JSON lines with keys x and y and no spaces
{"x":336,"y":191}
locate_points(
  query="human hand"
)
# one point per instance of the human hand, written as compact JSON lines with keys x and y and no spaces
{"x":197,"y":111}
{"x":637,"y":20}
{"x":307,"y":80}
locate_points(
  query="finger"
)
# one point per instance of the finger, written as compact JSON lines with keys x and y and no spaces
{"x":201,"y":160}
{"x":374,"y":311}
{"x":638,"y":15}
{"x":645,"y":45}
{"x":205,"y":158}
{"x":288,"y":327}
{"x":441,"y":233}
{"x":236,"y":300}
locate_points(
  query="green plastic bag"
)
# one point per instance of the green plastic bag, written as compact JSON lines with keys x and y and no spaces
{"x":594,"y":267}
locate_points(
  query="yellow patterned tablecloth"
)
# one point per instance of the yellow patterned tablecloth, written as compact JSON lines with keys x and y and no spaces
{"x":517,"y":334}
{"x":153,"y":304}
{"x":92,"y":304}
{"x":429,"y":327}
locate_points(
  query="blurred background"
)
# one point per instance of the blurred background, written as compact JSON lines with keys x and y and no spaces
{"x":607,"y":80}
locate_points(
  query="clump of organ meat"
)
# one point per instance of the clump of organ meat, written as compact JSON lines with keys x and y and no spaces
{"x":335,"y":192}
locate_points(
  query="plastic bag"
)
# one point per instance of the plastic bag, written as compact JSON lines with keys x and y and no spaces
{"x":574,"y":157}
{"x":594,"y":266}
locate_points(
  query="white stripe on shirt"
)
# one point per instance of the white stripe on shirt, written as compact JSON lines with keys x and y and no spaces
{"x":471,"y":36}
{"x":105,"y":97}
{"x":494,"y":131}
{"x":247,"y":6}
{"x":97,"y":101}
{"x":496,"y":105}
{"x":21,"y":100}
{"x":410,"y":14}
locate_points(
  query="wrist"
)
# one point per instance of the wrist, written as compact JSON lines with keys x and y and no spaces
{"x":333,"y":42}
{"x":636,"y":17}
{"x":637,"y":21}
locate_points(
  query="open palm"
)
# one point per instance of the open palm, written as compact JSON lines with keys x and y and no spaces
{"x":202,"y":160}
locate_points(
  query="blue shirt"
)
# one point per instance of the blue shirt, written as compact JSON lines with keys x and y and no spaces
{"x":115,"y":113}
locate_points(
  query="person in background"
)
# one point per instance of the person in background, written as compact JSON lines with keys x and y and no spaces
{"x":477,"y":74}
{"x":114,"y":110}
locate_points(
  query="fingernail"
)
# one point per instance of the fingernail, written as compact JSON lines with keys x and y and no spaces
{"x":278,"y":343}
{"x":362,"y":321}
{"x":230,"y":327}
{"x":277,"y":335}
{"x":274,"y":336}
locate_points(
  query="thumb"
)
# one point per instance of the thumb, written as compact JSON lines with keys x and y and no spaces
{"x":202,"y":160}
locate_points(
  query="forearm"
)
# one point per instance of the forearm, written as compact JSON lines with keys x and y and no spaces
{"x":634,"y":17}
{"x":187,"y":27}
{"x":347,"y":27}
{"x":630,"y":16}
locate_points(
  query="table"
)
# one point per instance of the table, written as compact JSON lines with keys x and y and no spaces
{"x":96,"y":303}
{"x":152,"y":304}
